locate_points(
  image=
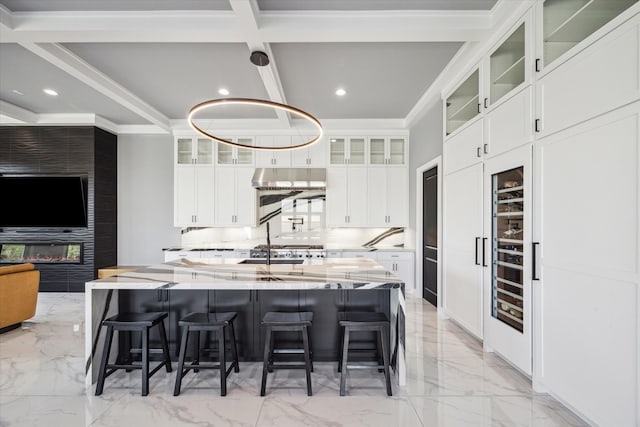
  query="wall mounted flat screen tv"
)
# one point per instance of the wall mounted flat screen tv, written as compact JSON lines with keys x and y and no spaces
{"x":44,"y":201}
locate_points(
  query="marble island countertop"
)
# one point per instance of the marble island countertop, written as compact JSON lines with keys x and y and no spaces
{"x":231,"y":273}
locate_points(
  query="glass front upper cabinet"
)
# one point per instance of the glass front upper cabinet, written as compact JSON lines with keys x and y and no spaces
{"x":567,"y":22}
{"x":507,"y":65}
{"x":463,"y":105}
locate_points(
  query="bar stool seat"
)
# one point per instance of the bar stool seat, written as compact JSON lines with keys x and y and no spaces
{"x":134,"y":322}
{"x":363,"y":322}
{"x":208,"y":322}
{"x":280,"y":322}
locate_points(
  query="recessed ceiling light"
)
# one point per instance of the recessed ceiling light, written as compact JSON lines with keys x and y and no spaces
{"x":50,"y":92}
{"x":17,"y":92}
{"x":223,"y":91}
{"x":341,"y":92}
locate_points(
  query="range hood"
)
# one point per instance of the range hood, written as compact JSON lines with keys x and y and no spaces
{"x":290,"y":179}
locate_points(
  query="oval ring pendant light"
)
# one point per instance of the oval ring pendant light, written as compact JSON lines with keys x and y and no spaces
{"x":255,"y":102}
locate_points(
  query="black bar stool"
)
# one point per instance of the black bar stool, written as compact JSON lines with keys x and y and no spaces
{"x":134,"y":322}
{"x":207,"y":322}
{"x":278,"y":322}
{"x":363,"y":322}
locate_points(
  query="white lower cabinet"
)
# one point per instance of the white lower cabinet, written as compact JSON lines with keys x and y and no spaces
{"x":400,"y":264}
{"x":175,"y":255}
{"x":235,"y":197}
{"x":588,"y":297}
{"x":346,"y":204}
{"x":463,"y":247}
{"x":193,"y":196}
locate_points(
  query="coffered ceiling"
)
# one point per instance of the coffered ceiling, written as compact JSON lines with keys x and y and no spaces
{"x":139,"y":65}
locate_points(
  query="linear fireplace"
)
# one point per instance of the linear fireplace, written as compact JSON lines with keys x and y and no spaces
{"x":41,"y":253}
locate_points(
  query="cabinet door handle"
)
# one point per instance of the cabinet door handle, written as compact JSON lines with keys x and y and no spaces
{"x":484,"y":262}
{"x":534,"y":273}
{"x":537,"y":125}
{"x":477,"y":151}
{"x":476,"y":252}
{"x":486,"y":149}
{"x":159,"y":295}
{"x":486,"y":103}
{"x":479,"y":105}
{"x":537,"y":65}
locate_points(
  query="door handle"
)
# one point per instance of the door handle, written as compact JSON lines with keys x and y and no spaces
{"x":484,"y":262}
{"x":479,"y":105}
{"x":477,"y":151}
{"x":486,"y":149}
{"x":537,"y":65}
{"x":534,"y":273}
{"x":537,"y":125}
{"x":476,"y":257}
{"x":486,"y":103}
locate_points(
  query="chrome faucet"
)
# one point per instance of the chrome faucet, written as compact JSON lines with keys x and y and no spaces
{"x":268,"y":246}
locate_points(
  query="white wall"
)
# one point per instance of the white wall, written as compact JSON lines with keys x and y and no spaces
{"x":425,"y":145}
{"x":145,"y":199}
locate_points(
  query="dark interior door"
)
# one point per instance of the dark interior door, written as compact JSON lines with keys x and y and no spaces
{"x":430,"y":236}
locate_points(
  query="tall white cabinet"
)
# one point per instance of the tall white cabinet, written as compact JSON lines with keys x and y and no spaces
{"x":193,"y":181}
{"x":569,"y":125}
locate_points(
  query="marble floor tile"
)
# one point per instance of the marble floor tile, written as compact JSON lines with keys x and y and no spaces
{"x":450,"y":382}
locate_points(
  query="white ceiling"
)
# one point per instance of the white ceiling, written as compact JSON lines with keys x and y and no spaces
{"x":139,"y":65}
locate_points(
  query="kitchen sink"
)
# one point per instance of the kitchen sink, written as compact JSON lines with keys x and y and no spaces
{"x":273,"y":261}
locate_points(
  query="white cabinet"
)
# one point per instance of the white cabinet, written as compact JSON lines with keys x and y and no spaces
{"x":388,"y":197}
{"x":170,"y":255}
{"x":465,"y":148}
{"x":463,"y":104}
{"x":231,"y":155}
{"x":346,"y":204}
{"x":313,"y":156}
{"x":401,"y":264}
{"x":588,"y":266}
{"x":347,"y":151}
{"x":507,"y":65}
{"x":193,"y":183}
{"x":387,"y":151}
{"x":464,"y":247}
{"x":273,"y":158}
{"x":509,"y":124}
{"x":566,"y":24}
{"x":594,"y":81}
{"x":235,"y":197}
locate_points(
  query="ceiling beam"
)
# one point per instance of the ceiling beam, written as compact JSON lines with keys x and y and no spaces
{"x":230,"y":26}
{"x":247,"y":14}
{"x":16,"y":114}
{"x":78,"y":68}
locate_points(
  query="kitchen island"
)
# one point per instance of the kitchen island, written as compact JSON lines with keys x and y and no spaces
{"x":324,"y":286}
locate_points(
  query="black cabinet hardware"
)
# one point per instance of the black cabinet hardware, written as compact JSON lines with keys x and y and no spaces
{"x":484,"y":261}
{"x":534,"y":273}
{"x":477,"y":239}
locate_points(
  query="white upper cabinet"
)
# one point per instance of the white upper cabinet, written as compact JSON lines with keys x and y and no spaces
{"x":235,"y":198}
{"x":465,"y":148}
{"x":346,"y":204}
{"x":566,"y":23}
{"x":463,"y":104}
{"x":347,"y":151}
{"x":273,"y":158}
{"x":592,"y":82}
{"x":230,"y":155}
{"x":194,"y":151}
{"x":313,"y":156}
{"x":387,"y":151}
{"x":507,"y":65}
{"x":388,"y":197}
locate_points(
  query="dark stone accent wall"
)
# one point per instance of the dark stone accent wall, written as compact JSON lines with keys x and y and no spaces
{"x":81,"y":150}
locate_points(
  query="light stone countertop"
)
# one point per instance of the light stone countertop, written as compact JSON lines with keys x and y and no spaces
{"x":229,"y":273}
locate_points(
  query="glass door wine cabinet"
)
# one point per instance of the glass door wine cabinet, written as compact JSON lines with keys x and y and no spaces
{"x":508,"y":244}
